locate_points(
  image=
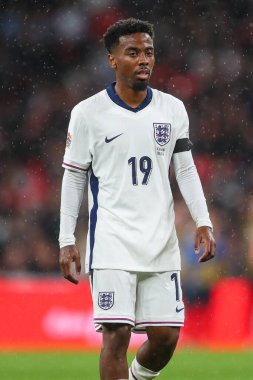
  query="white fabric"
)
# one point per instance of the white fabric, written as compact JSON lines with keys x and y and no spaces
{"x":132,"y":298}
{"x":73,"y":184}
{"x":130,"y":201}
{"x":138,"y":372}
{"x":191,"y":188}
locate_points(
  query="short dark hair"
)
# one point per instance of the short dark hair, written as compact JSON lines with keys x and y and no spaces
{"x":123,"y":28}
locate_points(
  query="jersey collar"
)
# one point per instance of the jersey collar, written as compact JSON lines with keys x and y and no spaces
{"x":116,"y":99}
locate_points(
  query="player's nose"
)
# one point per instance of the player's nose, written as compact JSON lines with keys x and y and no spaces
{"x":143,"y":59}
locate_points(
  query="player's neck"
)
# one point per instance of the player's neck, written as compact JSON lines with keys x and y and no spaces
{"x":129,"y":96}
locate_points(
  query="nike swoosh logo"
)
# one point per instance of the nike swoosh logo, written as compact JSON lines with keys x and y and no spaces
{"x":109,"y":140}
{"x":178,"y":310}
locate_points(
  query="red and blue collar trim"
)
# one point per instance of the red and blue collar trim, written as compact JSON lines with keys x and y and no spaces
{"x":116,"y":99}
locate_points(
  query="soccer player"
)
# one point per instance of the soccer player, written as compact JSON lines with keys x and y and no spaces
{"x":122,"y":141}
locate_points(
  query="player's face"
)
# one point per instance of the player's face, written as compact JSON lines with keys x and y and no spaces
{"x":133,"y":60}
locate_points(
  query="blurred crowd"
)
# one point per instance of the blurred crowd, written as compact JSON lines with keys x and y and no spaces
{"x":52,"y":57}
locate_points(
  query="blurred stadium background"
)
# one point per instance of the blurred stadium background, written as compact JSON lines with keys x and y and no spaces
{"x":52,"y":57}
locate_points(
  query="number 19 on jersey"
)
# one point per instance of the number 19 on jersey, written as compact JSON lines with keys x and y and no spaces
{"x":144,"y":165}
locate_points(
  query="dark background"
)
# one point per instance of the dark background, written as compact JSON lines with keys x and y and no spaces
{"x":52,"y":57}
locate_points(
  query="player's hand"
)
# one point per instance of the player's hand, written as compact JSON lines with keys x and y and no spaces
{"x":204,"y":235}
{"x":70,"y":254}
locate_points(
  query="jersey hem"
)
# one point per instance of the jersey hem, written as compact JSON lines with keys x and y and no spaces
{"x":143,"y":270}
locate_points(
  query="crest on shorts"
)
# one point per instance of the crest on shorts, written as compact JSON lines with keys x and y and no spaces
{"x":105,"y":300}
{"x":162,"y":133}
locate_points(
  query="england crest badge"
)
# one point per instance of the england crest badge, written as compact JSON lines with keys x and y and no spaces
{"x":105,"y":300}
{"x":162,"y":133}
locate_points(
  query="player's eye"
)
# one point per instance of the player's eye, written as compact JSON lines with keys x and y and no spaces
{"x":132,"y":53}
{"x":149,"y":53}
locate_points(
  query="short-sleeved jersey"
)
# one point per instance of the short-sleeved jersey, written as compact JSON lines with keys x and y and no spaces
{"x":127,"y":153}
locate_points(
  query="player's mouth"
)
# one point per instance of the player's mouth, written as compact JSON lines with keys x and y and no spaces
{"x":143,"y":74}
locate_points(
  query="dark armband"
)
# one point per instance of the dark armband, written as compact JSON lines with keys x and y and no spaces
{"x":182,"y":145}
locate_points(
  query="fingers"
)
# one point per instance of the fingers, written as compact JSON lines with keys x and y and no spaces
{"x":78,"y":264}
{"x":204,"y":236}
{"x":197,"y":243}
{"x":207,"y":248}
{"x":68,"y":255}
{"x":208,"y":253}
{"x":65,"y":263}
{"x":72,"y":279}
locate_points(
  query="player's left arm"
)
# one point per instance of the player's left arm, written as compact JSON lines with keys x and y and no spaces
{"x":192,"y":192}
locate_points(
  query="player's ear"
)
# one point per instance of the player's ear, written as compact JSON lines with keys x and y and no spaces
{"x":112,"y":61}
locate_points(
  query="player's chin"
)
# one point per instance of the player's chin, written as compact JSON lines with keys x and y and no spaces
{"x":140,"y":84}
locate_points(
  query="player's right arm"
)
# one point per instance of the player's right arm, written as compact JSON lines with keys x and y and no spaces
{"x":73,"y":185}
{"x":77,"y":160}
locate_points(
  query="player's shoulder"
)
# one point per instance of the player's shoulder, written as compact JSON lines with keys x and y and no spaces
{"x":90,"y":105}
{"x":168,"y":100}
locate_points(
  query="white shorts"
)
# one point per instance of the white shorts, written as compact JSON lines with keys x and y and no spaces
{"x":138,"y":299}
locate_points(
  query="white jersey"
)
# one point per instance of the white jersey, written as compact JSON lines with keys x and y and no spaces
{"x":127,"y":153}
